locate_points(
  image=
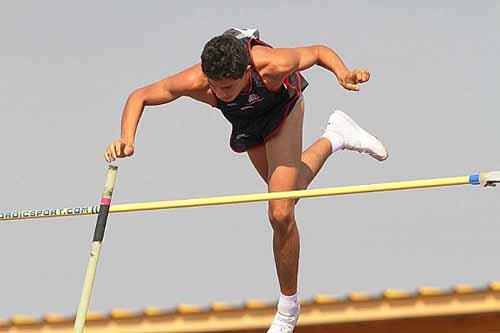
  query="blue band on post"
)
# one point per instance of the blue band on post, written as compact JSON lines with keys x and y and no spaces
{"x":474,"y":179}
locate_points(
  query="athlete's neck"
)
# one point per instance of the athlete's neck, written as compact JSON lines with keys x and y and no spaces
{"x":248,"y":85}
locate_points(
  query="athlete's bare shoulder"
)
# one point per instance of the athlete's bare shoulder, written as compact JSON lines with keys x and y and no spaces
{"x":193,"y":77}
{"x":265,"y":62}
{"x":194,"y":84}
{"x":262,"y":56}
{"x":189,"y":82}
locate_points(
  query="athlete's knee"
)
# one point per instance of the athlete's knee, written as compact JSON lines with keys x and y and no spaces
{"x":282,"y":216}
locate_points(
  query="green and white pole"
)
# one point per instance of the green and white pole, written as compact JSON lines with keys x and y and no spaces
{"x":95,"y":249}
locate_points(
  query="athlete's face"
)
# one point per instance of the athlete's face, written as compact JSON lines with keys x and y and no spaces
{"x":228,"y":89}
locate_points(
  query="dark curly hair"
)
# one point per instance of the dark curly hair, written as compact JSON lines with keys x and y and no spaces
{"x":224,"y":57}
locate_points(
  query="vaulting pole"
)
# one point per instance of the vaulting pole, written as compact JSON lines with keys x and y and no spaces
{"x":95,"y":249}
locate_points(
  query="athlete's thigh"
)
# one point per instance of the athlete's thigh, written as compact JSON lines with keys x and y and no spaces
{"x":258,"y":158}
{"x":284,"y":152}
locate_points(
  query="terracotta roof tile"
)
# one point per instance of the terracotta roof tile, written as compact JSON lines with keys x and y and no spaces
{"x":464,"y":289}
{"x":54,"y":318}
{"x":431,"y":291}
{"x":91,"y":315}
{"x":256,"y":304}
{"x":121,"y":313}
{"x":253,"y":304}
{"x":188,"y":309}
{"x":324,"y":299}
{"x":396,"y":294}
{"x":152,"y":311}
{"x":23,"y":320}
{"x":494,"y":285}
{"x":221,"y":306}
{"x":359,"y":297}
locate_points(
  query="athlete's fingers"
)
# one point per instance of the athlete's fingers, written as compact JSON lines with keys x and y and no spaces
{"x":359,"y":76}
{"x":113,"y":151}
{"x":109,"y":155}
{"x":352,"y":87}
{"x":366,"y":75}
{"x":129,"y":149}
{"x":106,"y":156}
{"x":119,"y":148}
{"x":108,"y":151}
{"x":116,"y":148}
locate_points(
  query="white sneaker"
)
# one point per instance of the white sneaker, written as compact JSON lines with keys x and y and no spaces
{"x":355,"y":138}
{"x":283,"y":323}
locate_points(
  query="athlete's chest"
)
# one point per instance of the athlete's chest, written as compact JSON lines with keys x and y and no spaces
{"x":258,"y":99}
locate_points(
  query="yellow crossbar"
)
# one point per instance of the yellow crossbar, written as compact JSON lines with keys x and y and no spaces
{"x":224,"y":200}
{"x":322,"y":192}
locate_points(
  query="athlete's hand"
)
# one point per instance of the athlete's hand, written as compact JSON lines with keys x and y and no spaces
{"x":351,"y":79}
{"x":118,"y":149}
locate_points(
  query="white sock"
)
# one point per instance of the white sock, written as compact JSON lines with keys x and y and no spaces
{"x":288,"y":305}
{"x":336,"y":140}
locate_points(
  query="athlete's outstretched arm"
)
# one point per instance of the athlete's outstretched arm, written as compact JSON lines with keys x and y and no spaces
{"x":189,"y":82}
{"x":283,"y":61}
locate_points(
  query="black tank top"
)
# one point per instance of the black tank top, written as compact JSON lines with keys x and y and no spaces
{"x":259,"y":99}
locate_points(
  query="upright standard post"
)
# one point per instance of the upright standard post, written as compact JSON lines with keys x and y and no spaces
{"x":95,"y":249}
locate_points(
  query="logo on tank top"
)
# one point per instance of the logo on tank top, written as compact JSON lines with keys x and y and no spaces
{"x":253,"y":98}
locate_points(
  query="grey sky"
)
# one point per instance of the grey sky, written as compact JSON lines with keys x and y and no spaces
{"x":66,"y":69}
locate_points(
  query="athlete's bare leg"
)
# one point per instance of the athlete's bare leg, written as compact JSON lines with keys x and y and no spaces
{"x":283,"y":166}
{"x":312,"y":160}
{"x":278,"y":165}
{"x":283,"y":154}
{"x":258,"y":158}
